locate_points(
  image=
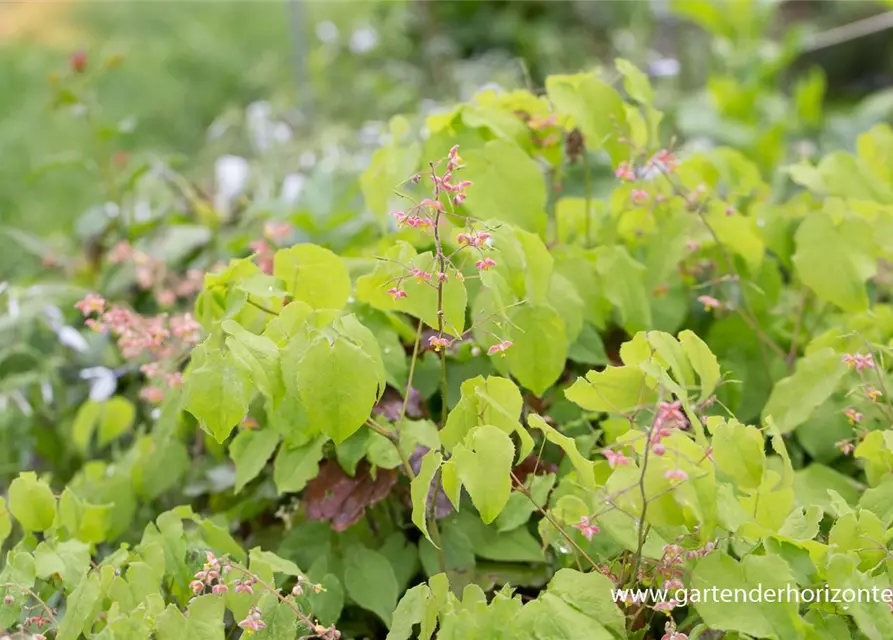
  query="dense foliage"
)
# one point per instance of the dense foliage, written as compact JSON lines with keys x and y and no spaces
{"x":558,"y":353}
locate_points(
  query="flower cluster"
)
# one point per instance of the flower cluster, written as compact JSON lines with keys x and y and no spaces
{"x":252,"y":622}
{"x":153,"y":275}
{"x":162,"y":339}
{"x":615,"y":458}
{"x":859,"y":361}
{"x":668,"y":416}
{"x":211,"y":575}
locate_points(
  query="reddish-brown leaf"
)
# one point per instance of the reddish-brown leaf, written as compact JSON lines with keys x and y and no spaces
{"x":335,"y":497}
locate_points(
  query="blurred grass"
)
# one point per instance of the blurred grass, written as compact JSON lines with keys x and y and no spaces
{"x":183,"y":64}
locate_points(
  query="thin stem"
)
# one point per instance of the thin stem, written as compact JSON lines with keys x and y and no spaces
{"x":46,"y":607}
{"x":291,"y":603}
{"x":552,"y":521}
{"x":587,"y":178}
{"x":394,"y":438}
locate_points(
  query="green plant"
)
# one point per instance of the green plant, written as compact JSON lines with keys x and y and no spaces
{"x":515,"y":386}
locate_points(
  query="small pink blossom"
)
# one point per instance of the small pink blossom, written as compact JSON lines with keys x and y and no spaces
{"x":639,"y":196}
{"x":438,"y":343}
{"x":421,"y":276}
{"x":219,"y":589}
{"x":859,"y":361}
{"x":615,"y":458}
{"x":277,"y":231}
{"x":846,"y":446}
{"x":670,"y":414}
{"x":625,"y":172}
{"x":197,"y":586}
{"x":664,"y":158}
{"x":442,"y":277}
{"x":676,"y":474}
{"x":431,"y":204}
{"x":174,"y":379}
{"x":853,"y":416}
{"x":153,"y":395}
{"x":665,"y":606}
{"x":485,"y":264}
{"x":396,"y":294}
{"x":121,"y":252}
{"x":586,"y":527}
{"x":499,"y":348}
{"x":455,"y":162}
{"x":873,"y":394}
{"x":166,"y":298}
{"x":91,"y":303}
{"x":658,"y":449}
{"x":244,"y":587}
{"x":709,"y":303}
{"x":252,"y":622}
{"x":692,"y":245}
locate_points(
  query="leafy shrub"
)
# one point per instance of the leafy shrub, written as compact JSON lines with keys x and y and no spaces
{"x":511,"y":399}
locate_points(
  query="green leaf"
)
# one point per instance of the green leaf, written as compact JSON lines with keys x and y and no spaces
{"x":835,"y":258}
{"x":507,"y":184}
{"x":258,"y":356}
{"x":370,"y":582}
{"x":338,"y":384}
{"x":539,"y":350}
{"x":86,"y":522}
{"x":249,"y":451}
{"x":79,"y":608}
{"x":205,"y":618}
{"x":420,"y":487}
{"x":5,"y":521}
{"x":410,"y":611}
{"x":217,"y":394}
{"x":585,"y":468}
{"x":484,"y":468}
{"x":590,"y":593}
{"x":113,"y":418}
{"x":759,"y":619}
{"x":31,"y":502}
{"x":389,"y":167}
{"x":295,"y":467}
{"x":635,"y":81}
{"x":702,"y":361}
{"x":615,"y":390}
{"x":623,"y":279}
{"x":794,"y":398}
{"x":596,"y":108}
{"x":70,"y":559}
{"x":313,"y":275}
{"x":739,"y":453}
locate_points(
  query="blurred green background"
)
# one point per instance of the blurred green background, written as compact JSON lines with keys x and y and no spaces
{"x":331,"y":67}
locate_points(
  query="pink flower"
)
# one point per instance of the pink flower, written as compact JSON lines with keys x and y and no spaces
{"x":665,"y":159}
{"x":174,"y":379}
{"x":625,"y":172}
{"x":431,"y":204}
{"x":92,"y":303}
{"x":219,"y":589}
{"x":499,"y":348}
{"x":399,"y":216}
{"x":197,"y":586}
{"x":615,"y":459}
{"x":438,"y":343}
{"x":79,"y":61}
{"x":396,"y":293}
{"x":186,"y":328}
{"x":455,"y":162}
{"x":853,"y":416}
{"x":846,"y":447}
{"x":859,"y":361}
{"x":665,"y":606}
{"x":121,"y":252}
{"x":485,"y":264}
{"x":166,"y":298}
{"x":252,"y":621}
{"x":676,"y":474}
{"x":709,"y":302}
{"x":153,"y":395}
{"x":658,"y":449}
{"x":587,"y":528}
{"x":639,"y":196}
{"x":873,"y":394}
{"x":244,"y":587}
{"x":421,"y":276}
{"x":670,"y":414}
{"x":693,"y":245}
{"x":277,"y":231}
{"x":442,"y":277}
